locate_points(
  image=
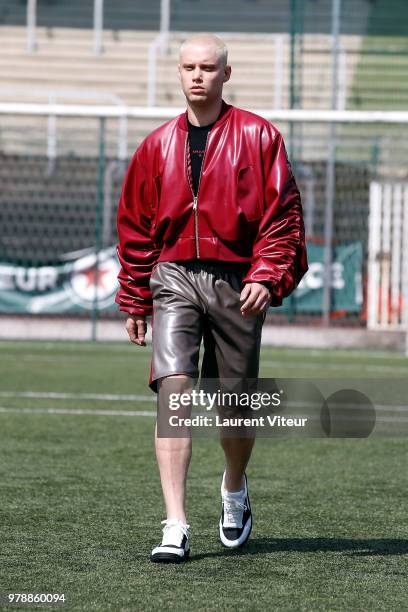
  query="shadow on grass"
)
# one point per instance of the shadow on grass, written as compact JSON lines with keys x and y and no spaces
{"x":368,"y":547}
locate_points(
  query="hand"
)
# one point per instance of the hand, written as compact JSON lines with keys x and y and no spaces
{"x":136,"y":328}
{"x":255,"y":298}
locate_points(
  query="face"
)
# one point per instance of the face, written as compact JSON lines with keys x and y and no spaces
{"x":202,"y":74}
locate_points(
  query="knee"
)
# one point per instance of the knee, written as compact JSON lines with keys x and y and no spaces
{"x":175,"y":383}
{"x":171,"y":390}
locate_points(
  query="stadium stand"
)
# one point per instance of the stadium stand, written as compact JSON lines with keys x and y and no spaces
{"x":64,"y":63}
{"x":48,"y":205}
{"x":374,"y":17}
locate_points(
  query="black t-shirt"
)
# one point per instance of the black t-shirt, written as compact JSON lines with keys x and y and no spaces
{"x":197,"y":136}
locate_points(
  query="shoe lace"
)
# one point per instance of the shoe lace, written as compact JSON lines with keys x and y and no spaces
{"x":233,"y":511}
{"x":173,"y":531}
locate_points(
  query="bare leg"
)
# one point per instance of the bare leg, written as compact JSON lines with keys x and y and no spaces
{"x":174,"y":454}
{"x":237,"y":454}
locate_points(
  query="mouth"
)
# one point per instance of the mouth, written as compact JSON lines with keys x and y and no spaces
{"x":197,"y":89}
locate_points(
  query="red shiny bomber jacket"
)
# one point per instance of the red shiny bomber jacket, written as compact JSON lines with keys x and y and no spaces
{"x":247,"y":209}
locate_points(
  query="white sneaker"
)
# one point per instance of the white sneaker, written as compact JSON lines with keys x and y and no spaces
{"x":175,"y":545}
{"x":236,"y":516}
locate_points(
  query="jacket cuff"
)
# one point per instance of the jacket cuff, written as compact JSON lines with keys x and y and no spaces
{"x":136,"y":311}
{"x":125,"y":304}
{"x":266,"y":284}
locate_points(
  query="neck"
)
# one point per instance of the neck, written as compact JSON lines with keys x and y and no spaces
{"x":203,"y":116}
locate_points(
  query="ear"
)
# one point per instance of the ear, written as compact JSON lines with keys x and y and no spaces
{"x":227,"y":73}
{"x":179,"y":71}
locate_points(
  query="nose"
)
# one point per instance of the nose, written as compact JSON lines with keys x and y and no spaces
{"x":197,"y":74}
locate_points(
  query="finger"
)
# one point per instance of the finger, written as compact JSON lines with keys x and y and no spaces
{"x":131,"y":330}
{"x":263,"y":307}
{"x":245,"y":292}
{"x":263,"y":298}
{"x":256,"y":308}
{"x":266,"y":305}
{"x":251,"y":299}
{"x":247,"y":296}
{"x":141,"y":332}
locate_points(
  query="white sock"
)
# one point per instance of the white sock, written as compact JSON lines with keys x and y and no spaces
{"x":236,"y":494}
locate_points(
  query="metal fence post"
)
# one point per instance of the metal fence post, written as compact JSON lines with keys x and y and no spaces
{"x":31,"y":25}
{"x":152,"y":67}
{"x":51,"y":138}
{"x":98,"y":223}
{"x":296,"y":29}
{"x":292,"y":75}
{"x":98,"y":27}
{"x":164,"y":16}
{"x":331,"y":171}
{"x":160,"y":43}
{"x":279,"y":69}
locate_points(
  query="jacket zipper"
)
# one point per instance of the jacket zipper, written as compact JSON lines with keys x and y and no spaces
{"x":195,"y":197}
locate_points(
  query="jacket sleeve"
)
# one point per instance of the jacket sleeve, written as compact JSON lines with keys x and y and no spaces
{"x":136,"y":251}
{"x":279,"y":258}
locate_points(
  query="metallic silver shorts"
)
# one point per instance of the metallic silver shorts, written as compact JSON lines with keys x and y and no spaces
{"x":195,"y":301}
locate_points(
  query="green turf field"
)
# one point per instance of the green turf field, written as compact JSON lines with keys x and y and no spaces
{"x":81,"y":508}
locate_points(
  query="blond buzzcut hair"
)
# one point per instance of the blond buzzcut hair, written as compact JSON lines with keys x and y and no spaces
{"x":209,"y":39}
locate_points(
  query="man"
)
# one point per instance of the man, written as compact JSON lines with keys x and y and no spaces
{"x":210,"y":235}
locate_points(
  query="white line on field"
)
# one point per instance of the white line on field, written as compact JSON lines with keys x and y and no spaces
{"x":335,"y":366}
{"x":344,"y":353}
{"x":132,"y":413}
{"x":126,"y":347}
{"x":76,"y":347}
{"x":146,"y":357}
{"x":146,"y":398}
{"x":38,"y":358}
{"x":86,"y":396}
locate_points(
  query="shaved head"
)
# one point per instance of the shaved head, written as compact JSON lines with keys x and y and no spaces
{"x":207,"y":40}
{"x":203,"y":70}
